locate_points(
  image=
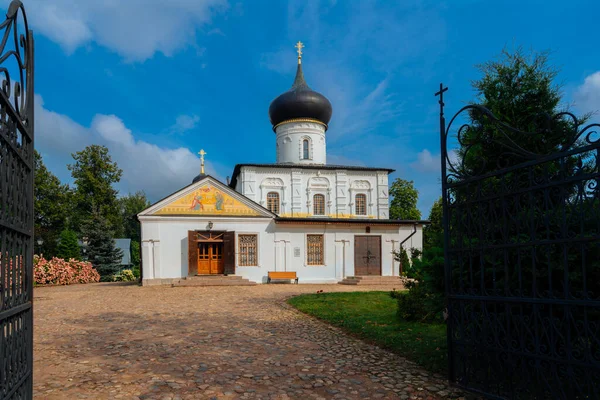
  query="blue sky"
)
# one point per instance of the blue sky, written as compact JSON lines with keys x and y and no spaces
{"x":157,"y":81}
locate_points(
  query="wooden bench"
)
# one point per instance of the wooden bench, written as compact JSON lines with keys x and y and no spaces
{"x":273,"y":275}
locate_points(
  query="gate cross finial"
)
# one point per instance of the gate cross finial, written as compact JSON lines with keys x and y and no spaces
{"x":441,"y":94}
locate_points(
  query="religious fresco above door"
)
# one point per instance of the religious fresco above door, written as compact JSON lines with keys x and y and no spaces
{"x":207,"y":200}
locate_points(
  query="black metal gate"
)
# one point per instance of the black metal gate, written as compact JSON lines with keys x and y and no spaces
{"x":16,"y":205}
{"x":522,"y":255}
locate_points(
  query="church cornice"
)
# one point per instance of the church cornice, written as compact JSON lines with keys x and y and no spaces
{"x":314,"y":121}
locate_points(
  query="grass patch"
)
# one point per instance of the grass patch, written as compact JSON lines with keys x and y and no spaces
{"x":372,"y":316}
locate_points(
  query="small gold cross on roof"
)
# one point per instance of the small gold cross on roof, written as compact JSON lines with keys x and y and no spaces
{"x":299,"y":46}
{"x":202,"y":154}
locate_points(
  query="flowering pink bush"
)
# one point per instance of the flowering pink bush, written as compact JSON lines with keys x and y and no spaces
{"x":62,"y":272}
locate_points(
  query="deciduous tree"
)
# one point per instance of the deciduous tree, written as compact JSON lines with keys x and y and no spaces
{"x":52,"y":206}
{"x":433,"y":233}
{"x":94,"y":175}
{"x":404,"y":200}
{"x":129,"y":207}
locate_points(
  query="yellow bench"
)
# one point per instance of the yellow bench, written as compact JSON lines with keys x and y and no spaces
{"x":282,"y":275}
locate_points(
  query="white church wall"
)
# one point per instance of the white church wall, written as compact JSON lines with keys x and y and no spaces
{"x":281,"y":247}
{"x":297,"y":186}
{"x":172,"y":235}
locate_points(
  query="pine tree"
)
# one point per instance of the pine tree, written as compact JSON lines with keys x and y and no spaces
{"x":68,"y":246}
{"x":101,"y":249}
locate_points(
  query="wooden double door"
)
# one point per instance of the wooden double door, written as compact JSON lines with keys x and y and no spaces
{"x":211,"y":253}
{"x":367,"y":255}
{"x":210,"y":258}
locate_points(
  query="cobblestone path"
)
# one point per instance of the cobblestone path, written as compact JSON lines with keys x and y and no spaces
{"x":109,"y":341}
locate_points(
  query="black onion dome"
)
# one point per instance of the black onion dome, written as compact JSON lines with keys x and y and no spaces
{"x":198,"y":178}
{"x":300,"y":102}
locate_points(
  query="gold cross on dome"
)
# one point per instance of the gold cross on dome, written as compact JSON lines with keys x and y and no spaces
{"x":202,"y":154}
{"x":299,"y":46}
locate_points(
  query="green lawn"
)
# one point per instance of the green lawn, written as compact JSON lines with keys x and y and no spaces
{"x":372,"y":316}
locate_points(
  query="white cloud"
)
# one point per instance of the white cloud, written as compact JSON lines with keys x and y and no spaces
{"x":135,"y":29}
{"x":587,"y":96}
{"x":184,"y":123}
{"x":156,"y":170}
{"x":426,"y":162}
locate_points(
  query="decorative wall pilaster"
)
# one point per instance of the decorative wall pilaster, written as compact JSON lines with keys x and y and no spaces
{"x":341,"y":193}
{"x":296,"y":191}
{"x":383,"y":198}
{"x":249,"y":184}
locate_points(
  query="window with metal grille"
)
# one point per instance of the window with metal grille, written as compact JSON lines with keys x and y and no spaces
{"x":305,"y":149}
{"x":318,"y":204}
{"x":273,"y":202}
{"x":248,"y":253}
{"x":314,"y":249}
{"x":361,"y":204}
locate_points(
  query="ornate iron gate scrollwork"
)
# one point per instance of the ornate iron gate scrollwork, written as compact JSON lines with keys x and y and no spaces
{"x":522,"y":247}
{"x":16,"y":205}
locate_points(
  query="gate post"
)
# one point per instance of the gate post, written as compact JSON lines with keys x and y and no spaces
{"x":443,"y":155}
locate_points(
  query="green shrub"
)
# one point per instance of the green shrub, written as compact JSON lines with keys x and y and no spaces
{"x":407,"y":261}
{"x":411,"y":304}
{"x":424,"y":300}
{"x":126,"y":275}
{"x":402,"y":257}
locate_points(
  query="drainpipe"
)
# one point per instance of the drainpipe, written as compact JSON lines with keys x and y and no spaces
{"x":404,"y":241}
{"x":284,"y":253}
{"x":343,"y":257}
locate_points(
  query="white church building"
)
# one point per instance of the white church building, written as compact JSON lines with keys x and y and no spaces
{"x":320,"y":221}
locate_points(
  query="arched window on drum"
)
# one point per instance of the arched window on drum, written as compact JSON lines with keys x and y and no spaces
{"x":305,"y":149}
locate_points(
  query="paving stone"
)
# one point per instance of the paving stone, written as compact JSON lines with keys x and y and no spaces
{"x":150,"y":343}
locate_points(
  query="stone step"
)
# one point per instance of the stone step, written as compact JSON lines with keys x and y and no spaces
{"x":372,"y":277}
{"x":205,"y":277}
{"x":216,"y":283}
{"x":214,"y":280}
{"x":373,"y":280}
{"x":348,"y":282}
